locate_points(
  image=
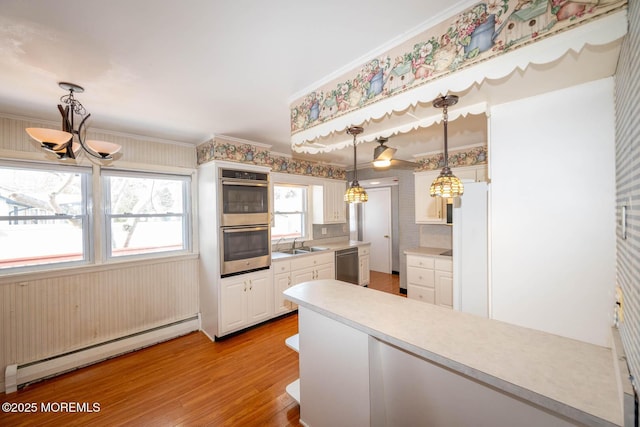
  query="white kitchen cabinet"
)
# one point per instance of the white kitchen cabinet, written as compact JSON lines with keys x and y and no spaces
{"x":313,"y":267}
{"x":329,"y":206}
{"x":245,"y":300}
{"x":430,"y":279}
{"x":433,"y":210}
{"x":429,"y":210}
{"x":443,"y":276}
{"x":281,"y":282}
{"x":364,"y":271}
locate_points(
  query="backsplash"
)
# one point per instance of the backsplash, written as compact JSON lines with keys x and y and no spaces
{"x":332,"y":231}
{"x":436,"y":236}
{"x":221,"y":149}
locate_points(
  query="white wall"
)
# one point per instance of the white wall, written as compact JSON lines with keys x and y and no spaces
{"x":552,"y":225}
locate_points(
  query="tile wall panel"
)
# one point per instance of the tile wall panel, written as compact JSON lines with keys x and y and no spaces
{"x":628,"y":187}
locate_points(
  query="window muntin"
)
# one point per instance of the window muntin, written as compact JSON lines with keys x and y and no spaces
{"x":43,"y":215}
{"x":146,"y":213}
{"x":289,"y":212}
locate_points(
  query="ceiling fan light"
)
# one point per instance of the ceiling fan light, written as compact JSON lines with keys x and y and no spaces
{"x":355,"y":194}
{"x":381,"y":163}
{"x":446,"y":185}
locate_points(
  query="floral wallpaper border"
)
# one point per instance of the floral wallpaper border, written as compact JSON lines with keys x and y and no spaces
{"x":483,"y":31}
{"x":469,"y":157}
{"x":251,"y":154}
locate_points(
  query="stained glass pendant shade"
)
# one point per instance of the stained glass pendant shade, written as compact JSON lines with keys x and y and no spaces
{"x":355,"y":193}
{"x":446,"y":184}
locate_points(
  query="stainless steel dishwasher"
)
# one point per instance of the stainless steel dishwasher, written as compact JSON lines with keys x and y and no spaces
{"x":347,"y":265}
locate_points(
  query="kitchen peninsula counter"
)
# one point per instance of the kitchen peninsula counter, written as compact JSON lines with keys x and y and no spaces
{"x":386,"y":349}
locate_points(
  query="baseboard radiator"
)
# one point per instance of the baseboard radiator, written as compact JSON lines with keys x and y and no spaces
{"x":17,"y":375}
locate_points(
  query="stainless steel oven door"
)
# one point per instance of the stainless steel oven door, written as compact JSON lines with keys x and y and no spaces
{"x":244,"y":249}
{"x":244,"y":202}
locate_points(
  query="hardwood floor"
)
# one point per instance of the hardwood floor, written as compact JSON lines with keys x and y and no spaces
{"x":187,"y":381}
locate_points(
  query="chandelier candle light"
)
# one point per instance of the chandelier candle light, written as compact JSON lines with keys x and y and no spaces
{"x":61,"y":142}
{"x":446,"y":184}
{"x":355,"y":193}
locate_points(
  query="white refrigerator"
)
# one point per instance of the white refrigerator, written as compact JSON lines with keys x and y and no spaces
{"x":470,"y":250}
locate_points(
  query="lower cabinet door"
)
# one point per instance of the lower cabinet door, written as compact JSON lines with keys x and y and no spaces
{"x":233,"y":304}
{"x":444,"y":288}
{"x":282,"y":282}
{"x":259,"y":303}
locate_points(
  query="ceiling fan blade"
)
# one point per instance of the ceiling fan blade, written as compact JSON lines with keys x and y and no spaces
{"x":403,"y":164}
{"x":382,"y":152}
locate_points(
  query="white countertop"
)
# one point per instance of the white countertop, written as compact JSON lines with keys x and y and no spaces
{"x":573,"y":378}
{"x":433,"y":252}
{"x":333,"y":246}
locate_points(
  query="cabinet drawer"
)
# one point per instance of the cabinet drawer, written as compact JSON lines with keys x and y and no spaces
{"x":363,"y":250}
{"x":420,"y":261}
{"x":444,"y":264}
{"x":281,"y":266}
{"x":420,"y":276}
{"x":307,"y":261}
{"x":421,"y":293}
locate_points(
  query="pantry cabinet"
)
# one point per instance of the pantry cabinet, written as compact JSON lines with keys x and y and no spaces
{"x":329,"y":206}
{"x":245,"y":300}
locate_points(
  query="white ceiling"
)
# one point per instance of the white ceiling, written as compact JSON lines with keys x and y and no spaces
{"x":189,"y":70}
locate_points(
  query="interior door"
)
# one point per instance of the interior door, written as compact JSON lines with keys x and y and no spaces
{"x":376,"y":228}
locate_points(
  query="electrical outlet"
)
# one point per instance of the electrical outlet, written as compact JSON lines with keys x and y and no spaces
{"x":324,"y":230}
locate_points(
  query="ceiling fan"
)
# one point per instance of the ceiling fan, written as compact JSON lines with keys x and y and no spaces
{"x":383,"y":157}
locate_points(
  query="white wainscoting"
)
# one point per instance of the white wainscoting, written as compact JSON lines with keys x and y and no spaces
{"x":49,"y":316}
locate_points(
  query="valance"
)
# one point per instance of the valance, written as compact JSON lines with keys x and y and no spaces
{"x":487,"y":41}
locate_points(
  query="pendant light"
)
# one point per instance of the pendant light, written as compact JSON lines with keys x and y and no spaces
{"x":61,"y":142}
{"x":446,"y":184}
{"x":355,"y":193}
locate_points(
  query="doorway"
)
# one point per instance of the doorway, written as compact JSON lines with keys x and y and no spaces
{"x":376,"y":228}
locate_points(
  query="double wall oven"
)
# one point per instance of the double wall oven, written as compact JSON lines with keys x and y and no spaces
{"x":245,"y":230}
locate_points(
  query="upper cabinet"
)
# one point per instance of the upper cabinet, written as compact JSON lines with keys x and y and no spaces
{"x":433,"y":210}
{"x":329,"y":206}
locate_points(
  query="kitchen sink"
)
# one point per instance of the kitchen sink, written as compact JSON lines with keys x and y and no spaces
{"x":295,"y":251}
{"x":300,"y":250}
{"x":311,"y":249}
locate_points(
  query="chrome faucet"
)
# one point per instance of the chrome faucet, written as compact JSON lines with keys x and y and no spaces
{"x":293,"y":245}
{"x":278,"y":242}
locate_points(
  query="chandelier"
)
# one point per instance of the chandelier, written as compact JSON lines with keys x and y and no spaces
{"x":355,"y":193}
{"x":446,"y":184}
{"x":61,"y":142}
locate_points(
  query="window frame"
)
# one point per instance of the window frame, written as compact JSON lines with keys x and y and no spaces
{"x":307,"y":212}
{"x":86,"y":215}
{"x":107,"y":216}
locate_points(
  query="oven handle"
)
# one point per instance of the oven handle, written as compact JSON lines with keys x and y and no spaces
{"x":245,"y":183}
{"x":243,"y":229}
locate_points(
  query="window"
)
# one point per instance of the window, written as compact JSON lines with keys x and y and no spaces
{"x":289,"y":212}
{"x":43,"y":215}
{"x":146,"y":213}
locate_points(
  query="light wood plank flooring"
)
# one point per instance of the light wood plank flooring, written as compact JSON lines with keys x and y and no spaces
{"x":188,"y":381}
